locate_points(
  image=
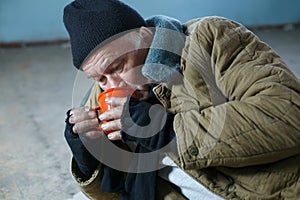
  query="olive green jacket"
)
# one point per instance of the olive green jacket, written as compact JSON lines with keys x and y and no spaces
{"x":236,"y":116}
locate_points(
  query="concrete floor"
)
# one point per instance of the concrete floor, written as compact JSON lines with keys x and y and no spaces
{"x":36,"y":90}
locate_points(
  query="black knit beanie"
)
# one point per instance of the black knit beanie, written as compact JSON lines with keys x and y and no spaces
{"x":90,"y":22}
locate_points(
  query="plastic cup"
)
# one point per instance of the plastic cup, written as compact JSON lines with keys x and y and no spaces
{"x":112,"y":92}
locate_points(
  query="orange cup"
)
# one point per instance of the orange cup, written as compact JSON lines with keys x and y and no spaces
{"x":112,"y":92}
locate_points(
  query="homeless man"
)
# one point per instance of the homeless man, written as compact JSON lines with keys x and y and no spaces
{"x":226,"y":99}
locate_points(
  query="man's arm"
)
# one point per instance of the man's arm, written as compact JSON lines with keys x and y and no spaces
{"x":258,"y":122}
{"x":86,"y":163}
{"x":86,"y":170}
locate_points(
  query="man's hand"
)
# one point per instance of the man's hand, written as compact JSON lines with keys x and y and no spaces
{"x":113,"y":117}
{"x":85,"y":122}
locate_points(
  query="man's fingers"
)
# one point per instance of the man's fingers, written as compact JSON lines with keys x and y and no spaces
{"x":79,"y":110}
{"x":86,"y":126}
{"x":114,"y":135}
{"x":94,"y":134}
{"x":112,"y":125}
{"x":116,"y":101}
{"x":78,"y":116}
{"x":114,"y":113}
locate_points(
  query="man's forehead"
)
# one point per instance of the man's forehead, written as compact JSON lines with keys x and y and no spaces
{"x":99,"y":65}
{"x":100,"y":59}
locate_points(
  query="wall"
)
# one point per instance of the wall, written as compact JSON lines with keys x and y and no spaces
{"x":41,"y":20}
{"x":31,"y":20}
{"x":248,"y":12}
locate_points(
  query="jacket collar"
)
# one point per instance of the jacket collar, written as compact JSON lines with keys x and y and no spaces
{"x":163,"y":60}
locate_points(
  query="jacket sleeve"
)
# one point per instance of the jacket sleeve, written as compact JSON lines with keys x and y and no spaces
{"x":84,"y":159}
{"x":240,"y":104}
{"x":91,"y":186}
{"x":86,"y":170}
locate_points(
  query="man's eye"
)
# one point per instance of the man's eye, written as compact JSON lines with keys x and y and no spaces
{"x":118,"y":68}
{"x":102,"y":80}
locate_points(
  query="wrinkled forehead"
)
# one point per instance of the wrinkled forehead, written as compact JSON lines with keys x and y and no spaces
{"x":101,"y":57}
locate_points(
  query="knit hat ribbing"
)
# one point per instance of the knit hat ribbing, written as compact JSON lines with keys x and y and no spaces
{"x":90,"y":22}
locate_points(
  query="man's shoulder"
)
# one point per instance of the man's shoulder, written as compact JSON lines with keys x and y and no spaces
{"x":207,"y":22}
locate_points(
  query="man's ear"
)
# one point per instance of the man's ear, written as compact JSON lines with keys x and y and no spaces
{"x":146,"y":34}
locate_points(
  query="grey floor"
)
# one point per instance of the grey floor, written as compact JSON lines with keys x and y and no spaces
{"x":36,"y":86}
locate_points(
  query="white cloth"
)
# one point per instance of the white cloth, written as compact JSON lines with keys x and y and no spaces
{"x":189,"y":187}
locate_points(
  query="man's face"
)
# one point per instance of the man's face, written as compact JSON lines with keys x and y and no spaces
{"x":118,"y":64}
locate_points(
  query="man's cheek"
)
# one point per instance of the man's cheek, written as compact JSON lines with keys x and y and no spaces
{"x":135,"y":77}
